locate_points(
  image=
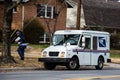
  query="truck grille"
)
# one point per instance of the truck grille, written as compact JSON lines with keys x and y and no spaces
{"x":53,"y":53}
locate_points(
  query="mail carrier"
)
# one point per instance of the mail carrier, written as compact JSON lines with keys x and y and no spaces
{"x":74,"y":48}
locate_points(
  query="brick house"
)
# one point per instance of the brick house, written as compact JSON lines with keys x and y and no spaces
{"x":28,"y":11}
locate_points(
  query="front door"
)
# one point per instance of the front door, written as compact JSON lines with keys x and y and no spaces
{"x":87,"y":50}
{"x":85,"y":53}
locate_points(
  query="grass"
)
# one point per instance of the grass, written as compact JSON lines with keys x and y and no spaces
{"x":31,"y":57}
{"x":35,"y":46}
{"x":38,"y":46}
{"x":115,"y":53}
{"x":28,"y":62}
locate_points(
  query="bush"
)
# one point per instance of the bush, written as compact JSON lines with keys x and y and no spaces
{"x":33,"y":31}
{"x":115,"y":41}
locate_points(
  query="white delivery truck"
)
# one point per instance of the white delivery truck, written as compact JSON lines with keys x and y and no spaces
{"x":74,"y":48}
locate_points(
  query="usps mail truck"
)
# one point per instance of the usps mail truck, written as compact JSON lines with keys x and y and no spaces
{"x":75,"y":48}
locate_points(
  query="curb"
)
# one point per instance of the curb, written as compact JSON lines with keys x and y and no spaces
{"x":32,"y":68}
{"x":20,"y":68}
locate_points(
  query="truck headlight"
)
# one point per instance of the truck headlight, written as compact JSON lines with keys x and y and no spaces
{"x":62,"y":55}
{"x":44,"y":54}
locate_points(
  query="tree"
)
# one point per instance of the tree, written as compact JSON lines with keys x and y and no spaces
{"x":57,"y":10}
{"x":6,"y":31}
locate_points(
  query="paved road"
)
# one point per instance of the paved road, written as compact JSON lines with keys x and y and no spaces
{"x":111,"y":72}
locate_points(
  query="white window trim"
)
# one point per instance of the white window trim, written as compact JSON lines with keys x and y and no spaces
{"x":52,"y":8}
{"x":15,"y":11}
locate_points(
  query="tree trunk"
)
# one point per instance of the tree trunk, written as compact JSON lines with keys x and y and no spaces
{"x":78,"y":14}
{"x":6,"y":47}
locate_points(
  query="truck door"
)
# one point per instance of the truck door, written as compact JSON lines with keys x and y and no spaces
{"x":87,"y":50}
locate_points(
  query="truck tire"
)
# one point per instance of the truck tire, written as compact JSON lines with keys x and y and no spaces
{"x":100,"y":64}
{"x":73,"y":64}
{"x":49,"y":66}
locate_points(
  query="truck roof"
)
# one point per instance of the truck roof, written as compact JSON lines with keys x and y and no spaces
{"x":80,"y":32}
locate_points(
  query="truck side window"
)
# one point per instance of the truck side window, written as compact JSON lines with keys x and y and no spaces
{"x":87,"y":43}
{"x":95,"y":43}
{"x":80,"y":43}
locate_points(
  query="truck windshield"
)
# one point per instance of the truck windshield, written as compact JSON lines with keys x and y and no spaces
{"x":69,"y":38}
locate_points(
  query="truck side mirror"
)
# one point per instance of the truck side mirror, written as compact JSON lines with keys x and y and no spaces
{"x":83,"y":45}
{"x":83,"y":42}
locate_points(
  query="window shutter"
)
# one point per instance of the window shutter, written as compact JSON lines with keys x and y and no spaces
{"x":38,"y":10}
{"x":54,"y":13}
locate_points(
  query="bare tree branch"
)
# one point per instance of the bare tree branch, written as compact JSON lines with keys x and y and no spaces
{"x":14,"y":5}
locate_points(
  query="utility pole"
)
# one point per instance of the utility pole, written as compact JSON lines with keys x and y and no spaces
{"x":78,"y":15}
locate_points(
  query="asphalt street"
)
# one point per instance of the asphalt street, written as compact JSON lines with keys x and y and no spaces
{"x":111,"y":72}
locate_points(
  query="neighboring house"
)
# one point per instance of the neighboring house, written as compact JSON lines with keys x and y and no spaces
{"x":72,"y":15}
{"x":94,"y":13}
{"x":102,"y":13}
{"x":17,"y":15}
{"x":28,"y":11}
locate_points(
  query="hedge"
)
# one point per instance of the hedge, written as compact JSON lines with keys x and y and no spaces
{"x":33,"y":30}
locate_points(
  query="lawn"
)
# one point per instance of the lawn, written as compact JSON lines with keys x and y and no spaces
{"x":115,"y":53}
{"x":32,"y":53}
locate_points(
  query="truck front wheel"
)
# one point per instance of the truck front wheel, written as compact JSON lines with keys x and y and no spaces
{"x":49,"y":66}
{"x":73,"y":64}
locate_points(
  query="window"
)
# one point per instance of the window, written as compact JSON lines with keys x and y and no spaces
{"x":45,"y":11}
{"x":80,"y":43}
{"x":15,"y":9}
{"x":61,"y":39}
{"x":87,"y":43}
{"x":94,"y":43}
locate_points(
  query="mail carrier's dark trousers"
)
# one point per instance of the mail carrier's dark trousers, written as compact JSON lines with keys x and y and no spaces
{"x":21,"y":50}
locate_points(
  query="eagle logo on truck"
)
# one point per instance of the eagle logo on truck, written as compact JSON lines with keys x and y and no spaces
{"x":102,"y":42}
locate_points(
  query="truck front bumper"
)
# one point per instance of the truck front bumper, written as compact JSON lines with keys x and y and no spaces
{"x":57,"y":60}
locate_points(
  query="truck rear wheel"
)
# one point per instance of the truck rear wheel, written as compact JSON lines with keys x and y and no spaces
{"x":73,"y":64}
{"x":49,"y":66}
{"x":100,"y":64}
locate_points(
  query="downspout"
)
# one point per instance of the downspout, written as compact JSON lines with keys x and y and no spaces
{"x":23,"y":10}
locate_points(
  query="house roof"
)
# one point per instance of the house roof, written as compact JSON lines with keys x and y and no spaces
{"x":71,"y":3}
{"x":101,"y":3}
{"x":102,"y":13}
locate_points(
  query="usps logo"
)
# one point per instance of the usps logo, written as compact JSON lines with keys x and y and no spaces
{"x":102,"y":42}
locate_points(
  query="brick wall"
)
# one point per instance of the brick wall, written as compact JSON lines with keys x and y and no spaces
{"x":17,"y":18}
{"x":30,"y":12}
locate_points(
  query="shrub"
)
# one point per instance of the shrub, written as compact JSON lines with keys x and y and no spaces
{"x":33,"y":30}
{"x":115,"y":41}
